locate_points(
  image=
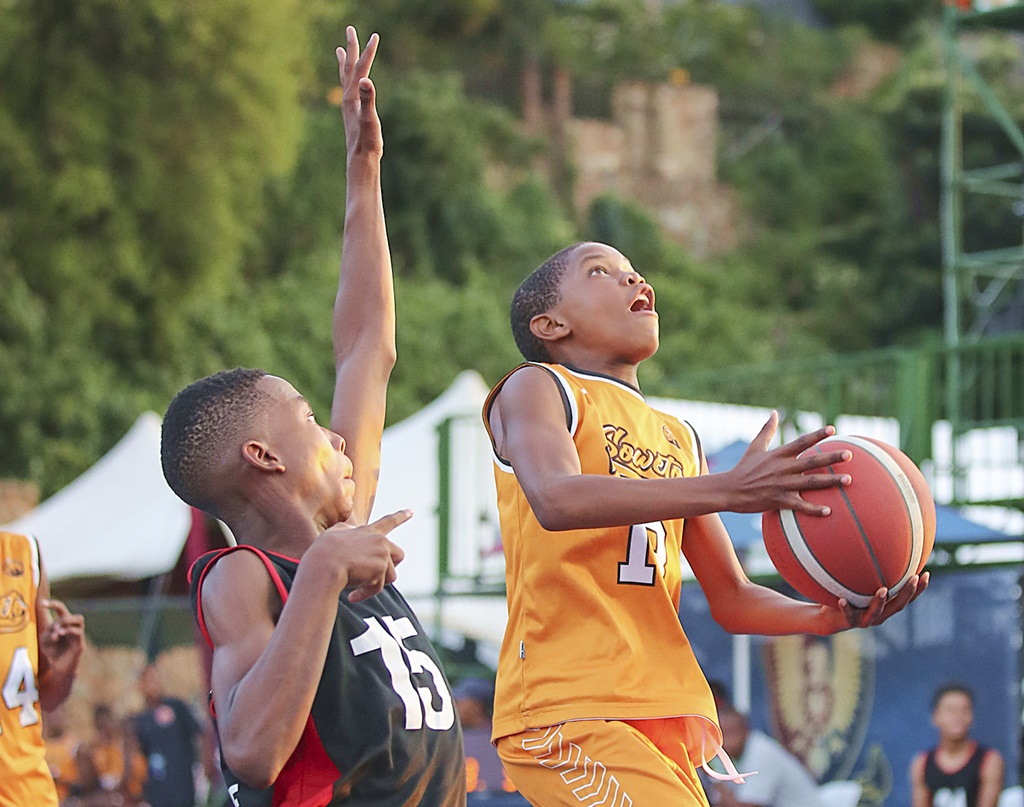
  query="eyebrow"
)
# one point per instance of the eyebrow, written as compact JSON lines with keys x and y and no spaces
{"x":605,"y":258}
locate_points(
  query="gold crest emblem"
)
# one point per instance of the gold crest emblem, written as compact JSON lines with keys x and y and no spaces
{"x":14,"y":613}
{"x":821,"y":692}
{"x":13,"y":567}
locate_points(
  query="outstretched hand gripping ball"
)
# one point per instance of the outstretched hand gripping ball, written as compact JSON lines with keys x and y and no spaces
{"x":880,"y":532}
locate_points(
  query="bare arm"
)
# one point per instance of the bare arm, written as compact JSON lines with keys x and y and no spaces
{"x":920,"y":796}
{"x":266,"y":670}
{"x":993,"y":770}
{"x":364,"y":310}
{"x":61,"y":641}
{"x":741,"y":606}
{"x":528,"y":424}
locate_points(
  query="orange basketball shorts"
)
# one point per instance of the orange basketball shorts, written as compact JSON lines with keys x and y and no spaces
{"x":606,"y":763}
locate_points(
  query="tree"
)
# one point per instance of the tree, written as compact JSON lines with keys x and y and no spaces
{"x":135,"y":140}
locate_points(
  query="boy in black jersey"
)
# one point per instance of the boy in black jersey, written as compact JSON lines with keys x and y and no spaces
{"x":959,"y":771}
{"x":325,"y":689}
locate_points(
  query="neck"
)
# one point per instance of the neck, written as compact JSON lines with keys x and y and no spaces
{"x":954,"y":745}
{"x":622,"y":371}
{"x":275,"y":523}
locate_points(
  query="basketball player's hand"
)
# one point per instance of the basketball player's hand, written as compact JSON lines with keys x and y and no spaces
{"x":881,"y":606}
{"x":364,"y":558}
{"x":62,"y":641}
{"x":766,"y":479}
{"x":358,"y":99}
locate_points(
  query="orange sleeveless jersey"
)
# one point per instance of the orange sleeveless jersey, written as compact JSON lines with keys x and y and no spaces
{"x":593,"y":628}
{"x":24,"y":776}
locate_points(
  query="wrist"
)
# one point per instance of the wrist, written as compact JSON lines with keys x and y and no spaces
{"x":832,"y":620}
{"x":363,"y":162}
{"x":326,"y":574}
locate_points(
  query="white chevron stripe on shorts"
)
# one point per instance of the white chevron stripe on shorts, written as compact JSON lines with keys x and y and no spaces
{"x":589,"y":780}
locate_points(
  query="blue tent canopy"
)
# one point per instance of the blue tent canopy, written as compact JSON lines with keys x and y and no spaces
{"x":951,"y":527}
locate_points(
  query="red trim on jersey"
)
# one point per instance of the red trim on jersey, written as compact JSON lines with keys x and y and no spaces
{"x":274,"y":576}
{"x":309,"y":776}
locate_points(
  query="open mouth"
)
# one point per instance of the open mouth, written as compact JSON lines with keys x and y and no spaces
{"x":644,"y":301}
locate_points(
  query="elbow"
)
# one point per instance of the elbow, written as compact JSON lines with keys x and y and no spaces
{"x":552,"y":513}
{"x":727,"y":621}
{"x":256,"y":769}
{"x":728,"y":615}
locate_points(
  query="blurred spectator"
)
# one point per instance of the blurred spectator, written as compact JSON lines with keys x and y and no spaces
{"x":61,"y":751}
{"x":959,"y":771}
{"x":103,"y":777}
{"x":166,"y":734}
{"x":781,"y":781}
{"x":486,"y":782}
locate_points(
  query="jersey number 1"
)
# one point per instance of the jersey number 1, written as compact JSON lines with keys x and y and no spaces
{"x":636,"y":570}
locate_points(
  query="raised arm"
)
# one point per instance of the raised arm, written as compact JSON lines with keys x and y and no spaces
{"x":364,"y":310}
{"x":528,"y":424}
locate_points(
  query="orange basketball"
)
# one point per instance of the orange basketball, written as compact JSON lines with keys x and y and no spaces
{"x":880,"y":532}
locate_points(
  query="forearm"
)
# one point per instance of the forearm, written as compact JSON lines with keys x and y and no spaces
{"x":261,"y":720}
{"x":758,"y":610}
{"x":585,"y":501}
{"x":56,"y":681}
{"x":364,"y":307}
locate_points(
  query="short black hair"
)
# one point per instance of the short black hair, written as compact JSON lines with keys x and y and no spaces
{"x":535,"y":295}
{"x":197,"y":426}
{"x":949,"y":689}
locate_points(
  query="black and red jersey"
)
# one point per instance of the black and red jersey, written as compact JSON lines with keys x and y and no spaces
{"x":383,"y":729}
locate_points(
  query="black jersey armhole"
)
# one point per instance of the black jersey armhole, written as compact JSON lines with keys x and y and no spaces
{"x":206,"y":562}
{"x":559,"y":385}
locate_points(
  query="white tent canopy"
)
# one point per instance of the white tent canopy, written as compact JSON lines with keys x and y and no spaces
{"x":117,"y":520}
{"x":120,"y":520}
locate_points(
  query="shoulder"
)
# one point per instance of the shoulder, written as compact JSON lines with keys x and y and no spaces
{"x":527,"y":380}
{"x":920,"y":759}
{"x":238,"y":567}
{"x":991,"y":759}
{"x":531,"y":393}
{"x":234,"y":588}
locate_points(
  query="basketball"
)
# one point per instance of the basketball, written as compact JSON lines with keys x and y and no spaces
{"x":880,"y":532}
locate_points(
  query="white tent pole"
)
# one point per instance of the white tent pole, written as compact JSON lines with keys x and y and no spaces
{"x":741,"y":672}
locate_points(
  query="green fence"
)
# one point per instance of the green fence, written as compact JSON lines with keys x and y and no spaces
{"x":977,"y":385}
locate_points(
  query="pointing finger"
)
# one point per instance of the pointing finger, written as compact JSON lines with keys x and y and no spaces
{"x":389,"y":522}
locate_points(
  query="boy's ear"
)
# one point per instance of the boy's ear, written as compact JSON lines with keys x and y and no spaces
{"x":549,"y":327}
{"x":261,"y":457}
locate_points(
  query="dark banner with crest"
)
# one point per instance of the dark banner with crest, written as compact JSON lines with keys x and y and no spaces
{"x":858,"y":705}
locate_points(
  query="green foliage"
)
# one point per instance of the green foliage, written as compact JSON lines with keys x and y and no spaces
{"x":713,"y":313}
{"x":888,"y":20}
{"x":135,"y":140}
{"x":172,"y":179}
{"x":445,"y":214}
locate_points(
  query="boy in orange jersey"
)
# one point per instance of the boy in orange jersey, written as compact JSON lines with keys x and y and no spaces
{"x":599,"y":697}
{"x":40,"y":645}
